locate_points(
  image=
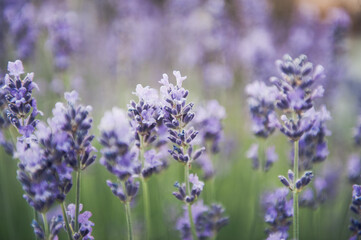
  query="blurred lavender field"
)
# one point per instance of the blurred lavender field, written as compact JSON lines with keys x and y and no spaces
{"x":227,"y":50}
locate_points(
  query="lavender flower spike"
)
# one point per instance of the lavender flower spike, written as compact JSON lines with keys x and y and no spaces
{"x":296,"y":94}
{"x":22,"y":108}
{"x":85,"y":225}
{"x":278,"y":211}
{"x":261,"y":102}
{"x":207,"y":219}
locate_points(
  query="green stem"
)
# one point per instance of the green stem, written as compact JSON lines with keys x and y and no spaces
{"x":145,"y":190}
{"x":193,"y":227}
{"x":296,"y":227}
{"x":129,"y":220}
{"x":36,"y":219}
{"x":186,"y":176}
{"x":146,"y":207}
{"x":77,"y":199}
{"x":67,"y":226}
{"x":46,"y":227}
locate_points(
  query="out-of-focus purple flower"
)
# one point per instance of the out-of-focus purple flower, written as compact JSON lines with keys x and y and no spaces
{"x":357,"y":132}
{"x":22,"y":108}
{"x":261,"y":102}
{"x":271,"y":157}
{"x":85,"y":225}
{"x":23,"y":27}
{"x":313,"y":145}
{"x":218,"y":75}
{"x":118,"y":156}
{"x":208,"y":221}
{"x":325,"y":186}
{"x":252,"y":154}
{"x":208,"y":121}
{"x":278,"y":212}
{"x":354,"y":168}
{"x":63,"y":36}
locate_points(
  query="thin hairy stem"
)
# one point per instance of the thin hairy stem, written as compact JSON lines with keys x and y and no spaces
{"x":78,"y":174}
{"x":129,"y":220}
{"x":46,"y":227}
{"x":145,"y":191}
{"x":186,"y":178}
{"x":69,"y":230}
{"x":296,"y":229}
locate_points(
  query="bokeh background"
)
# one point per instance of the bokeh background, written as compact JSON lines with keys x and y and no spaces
{"x":104,"y":48}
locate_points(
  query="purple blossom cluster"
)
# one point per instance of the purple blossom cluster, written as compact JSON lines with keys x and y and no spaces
{"x":313,"y":144}
{"x":22,"y":108}
{"x":355,"y":224}
{"x":55,"y":225}
{"x":48,"y":152}
{"x":296,"y":184}
{"x":197,"y":188}
{"x":20,"y":17}
{"x":261,"y":102}
{"x":207,"y":219}
{"x":85,"y":225}
{"x":278,"y":211}
{"x":118,"y":153}
{"x":324,"y":188}
{"x":63,"y":37}
{"x":270,"y":156}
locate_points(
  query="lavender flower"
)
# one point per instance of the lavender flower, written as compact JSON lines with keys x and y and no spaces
{"x":324,"y":189}
{"x":296,"y":184}
{"x":252,"y":154}
{"x":354,"y":168}
{"x":313,"y":146}
{"x":44,"y":175}
{"x":196,"y":190}
{"x":261,"y":102}
{"x":74,"y":122}
{"x":208,"y":221}
{"x":63,"y":38}
{"x":22,"y":108}
{"x":23,"y":27}
{"x":85,"y":225}
{"x":296,"y":95}
{"x":209,"y":123}
{"x":271,"y":157}
{"x":118,"y":156}
{"x":357,"y":133}
{"x":144,"y":114}
{"x":355,"y":225}
{"x":278,"y":211}
{"x":176,"y":115}
{"x":56,"y":224}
